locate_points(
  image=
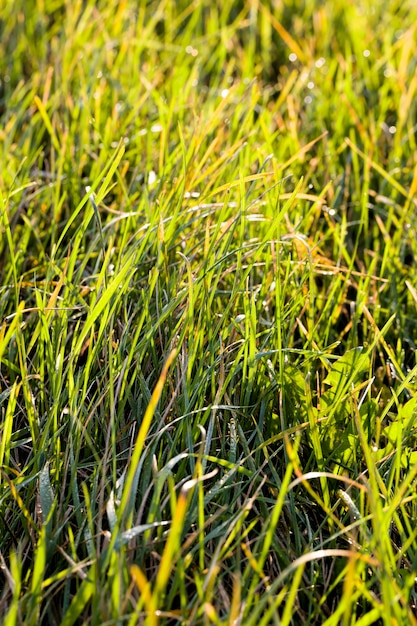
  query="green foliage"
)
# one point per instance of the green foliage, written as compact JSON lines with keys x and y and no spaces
{"x":208,"y":294}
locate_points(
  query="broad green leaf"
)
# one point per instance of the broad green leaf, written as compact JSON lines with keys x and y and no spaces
{"x":46,"y":494}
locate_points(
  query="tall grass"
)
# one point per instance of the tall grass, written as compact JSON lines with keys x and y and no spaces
{"x":208,"y":295}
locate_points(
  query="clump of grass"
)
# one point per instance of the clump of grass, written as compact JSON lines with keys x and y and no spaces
{"x":208,"y":292}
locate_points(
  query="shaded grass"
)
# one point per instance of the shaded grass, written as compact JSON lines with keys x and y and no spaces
{"x":208,"y":296}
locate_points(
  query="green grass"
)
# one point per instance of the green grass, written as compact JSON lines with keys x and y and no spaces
{"x":208,"y":299}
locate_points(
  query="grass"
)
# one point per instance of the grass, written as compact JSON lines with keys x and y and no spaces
{"x":208,"y":295}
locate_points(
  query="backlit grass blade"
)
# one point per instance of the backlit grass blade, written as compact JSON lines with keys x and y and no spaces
{"x":80,"y":599}
{"x":128,"y":494}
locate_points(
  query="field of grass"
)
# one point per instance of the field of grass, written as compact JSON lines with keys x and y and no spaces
{"x":208,"y":304}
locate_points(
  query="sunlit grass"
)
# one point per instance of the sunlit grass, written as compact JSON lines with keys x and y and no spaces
{"x":208,"y":297}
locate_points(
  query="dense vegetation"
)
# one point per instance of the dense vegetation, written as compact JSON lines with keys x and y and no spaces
{"x":208,"y":295}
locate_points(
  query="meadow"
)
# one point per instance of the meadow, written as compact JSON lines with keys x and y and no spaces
{"x":208,"y":301}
